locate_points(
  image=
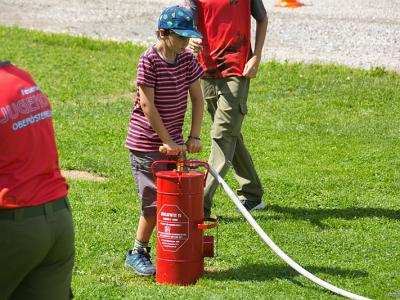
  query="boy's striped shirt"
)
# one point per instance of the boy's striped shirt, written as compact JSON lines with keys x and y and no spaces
{"x":171,"y":84}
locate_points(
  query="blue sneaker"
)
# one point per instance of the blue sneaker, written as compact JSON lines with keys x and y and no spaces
{"x":139,"y":261}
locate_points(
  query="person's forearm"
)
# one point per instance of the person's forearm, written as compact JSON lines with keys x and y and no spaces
{"x":196,"y":97}
{"x":151,"y":113}
{"x":261,"y":32}
{"x":197,"y":118}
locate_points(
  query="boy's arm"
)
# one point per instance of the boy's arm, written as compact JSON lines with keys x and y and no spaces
{"x":193,"y":143}
{"x":150,"y":111}
{"x":251,"y":67}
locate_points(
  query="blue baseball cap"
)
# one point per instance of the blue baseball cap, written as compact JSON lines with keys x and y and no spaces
{"x":179,"y":20}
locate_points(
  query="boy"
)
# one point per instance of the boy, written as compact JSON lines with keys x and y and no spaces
{"x":166,"y":72}
{"x":229,"y":63}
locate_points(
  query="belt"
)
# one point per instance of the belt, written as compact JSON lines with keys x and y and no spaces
{"x":34,"y":211}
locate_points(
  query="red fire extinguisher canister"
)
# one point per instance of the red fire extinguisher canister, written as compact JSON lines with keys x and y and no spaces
{"x":181,"y":244}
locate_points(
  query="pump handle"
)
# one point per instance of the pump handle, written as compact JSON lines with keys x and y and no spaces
{"x":181,"y":162}
{"x":164,"y":150}
{"x":158,"y":162}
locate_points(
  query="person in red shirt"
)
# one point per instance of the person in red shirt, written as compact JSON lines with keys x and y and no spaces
{"x":229,"y":63}
{"x":36,"y":229}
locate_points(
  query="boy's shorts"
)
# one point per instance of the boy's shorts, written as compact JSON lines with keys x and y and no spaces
{"x":141,"y":170}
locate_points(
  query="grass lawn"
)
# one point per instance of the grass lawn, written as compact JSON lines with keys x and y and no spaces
{"x":325,"y":140}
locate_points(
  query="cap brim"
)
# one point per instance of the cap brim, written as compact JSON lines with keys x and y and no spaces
{"x":188,"y":33}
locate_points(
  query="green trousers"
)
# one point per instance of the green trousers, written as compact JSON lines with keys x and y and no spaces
{"x":227,"y":105}
{"x":37,"y":252}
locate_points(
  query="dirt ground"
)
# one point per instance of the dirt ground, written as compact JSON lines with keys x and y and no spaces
{"x":357,"y":33}
{"x":75,"y":174}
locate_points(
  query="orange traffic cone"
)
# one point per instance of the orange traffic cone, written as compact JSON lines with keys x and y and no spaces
{"x":288,"y":3}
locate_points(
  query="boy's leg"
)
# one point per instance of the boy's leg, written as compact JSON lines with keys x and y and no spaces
{"x":138,"y":257}
{"x":141,"y":170}
{"x":145,"y":228}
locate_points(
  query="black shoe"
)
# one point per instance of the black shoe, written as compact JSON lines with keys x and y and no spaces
{"x":207,"y":212}
{"x":253,"y":205}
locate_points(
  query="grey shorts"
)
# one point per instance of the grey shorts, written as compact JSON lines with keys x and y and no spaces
{"x":145,"y":183}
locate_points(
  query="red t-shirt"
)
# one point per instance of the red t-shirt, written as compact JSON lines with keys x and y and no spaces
{"x":29,"y":171}
{"x":225,"y":25}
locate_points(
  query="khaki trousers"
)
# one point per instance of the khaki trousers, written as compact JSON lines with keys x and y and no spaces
{"x":227,"y":105}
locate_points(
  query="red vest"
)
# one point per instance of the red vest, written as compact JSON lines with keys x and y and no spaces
{"x":225,"y":25}
{"x":29,"y":171}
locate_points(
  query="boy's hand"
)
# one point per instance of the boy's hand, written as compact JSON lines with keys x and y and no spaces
{"x":196,"y":45}
{"x":193,"y":145}
{"x":172,"y":148}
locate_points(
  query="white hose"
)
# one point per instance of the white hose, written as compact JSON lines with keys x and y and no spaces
{"x":275,"y":248}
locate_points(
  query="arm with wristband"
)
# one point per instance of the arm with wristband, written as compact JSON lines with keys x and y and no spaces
{"x":193,"y":143}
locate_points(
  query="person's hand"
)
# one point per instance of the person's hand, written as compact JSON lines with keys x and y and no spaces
{"x":172,"y":148}
{"x":251,"y":67}
{"x":193,"y":145}
{"x":3,"y":191}
{"x":3,"y":200}
{"x":195,"y":45}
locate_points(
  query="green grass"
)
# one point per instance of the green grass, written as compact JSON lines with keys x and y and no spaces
{"x":325,"y":140}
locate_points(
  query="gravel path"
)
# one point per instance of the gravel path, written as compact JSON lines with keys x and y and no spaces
{"x":356,"y":33}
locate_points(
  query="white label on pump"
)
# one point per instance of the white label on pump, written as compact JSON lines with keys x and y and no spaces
{"x":172,"y":228}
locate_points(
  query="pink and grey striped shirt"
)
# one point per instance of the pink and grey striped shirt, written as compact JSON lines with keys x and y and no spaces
{"x":171,"y":85}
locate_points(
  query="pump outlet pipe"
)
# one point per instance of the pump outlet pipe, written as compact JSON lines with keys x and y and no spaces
{"x":275,"y":248}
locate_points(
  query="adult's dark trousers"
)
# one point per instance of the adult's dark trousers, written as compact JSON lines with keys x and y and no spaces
{"x":37,"y":252}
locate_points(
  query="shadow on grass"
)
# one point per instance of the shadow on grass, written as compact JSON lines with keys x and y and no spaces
{"x":260,"y":272}
{"x":317,"y":215}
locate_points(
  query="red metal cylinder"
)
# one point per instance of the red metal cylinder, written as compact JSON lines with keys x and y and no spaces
{"x":180,"y":257}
